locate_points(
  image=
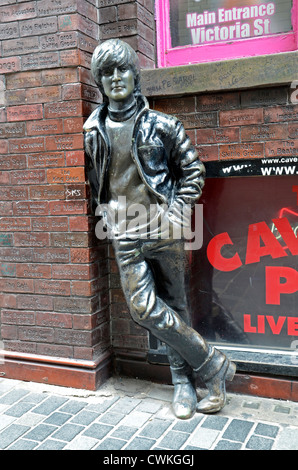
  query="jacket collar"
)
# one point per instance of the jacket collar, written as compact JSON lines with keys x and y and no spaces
{"x":97,"y":119}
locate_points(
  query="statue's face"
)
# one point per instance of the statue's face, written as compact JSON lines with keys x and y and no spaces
{"x":118,"y":83}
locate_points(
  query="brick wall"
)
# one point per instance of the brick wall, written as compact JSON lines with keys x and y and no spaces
{"x":238,"y":125}
{"x":54,"y":273}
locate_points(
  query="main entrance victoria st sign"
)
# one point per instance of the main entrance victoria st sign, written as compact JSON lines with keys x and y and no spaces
{"x":195,"y":31}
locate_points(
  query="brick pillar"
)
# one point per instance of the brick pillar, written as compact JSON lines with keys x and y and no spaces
{"x":53,"y":272}
{"x":132,"y":21}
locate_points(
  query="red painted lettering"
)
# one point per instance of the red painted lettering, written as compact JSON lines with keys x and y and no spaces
{"x":275,"y":327}
{"x":215,"y":257}
{"x":274,"y":285}
{"x":254,"y":250}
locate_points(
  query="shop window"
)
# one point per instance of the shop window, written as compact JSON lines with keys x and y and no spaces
{"x":194,"y":31}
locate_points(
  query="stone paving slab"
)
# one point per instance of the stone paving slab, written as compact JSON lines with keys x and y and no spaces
{"x":128,"y":414}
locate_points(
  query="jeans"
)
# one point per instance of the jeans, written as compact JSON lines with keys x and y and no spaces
{"x":153,"y":281}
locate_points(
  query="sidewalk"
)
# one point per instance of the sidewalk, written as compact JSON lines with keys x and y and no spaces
{"x":131,"y":414}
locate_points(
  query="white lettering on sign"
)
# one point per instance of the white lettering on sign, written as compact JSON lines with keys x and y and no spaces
{"x":229,"y":24}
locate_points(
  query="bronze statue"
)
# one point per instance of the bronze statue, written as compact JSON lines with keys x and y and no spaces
{"x":137,"y":157}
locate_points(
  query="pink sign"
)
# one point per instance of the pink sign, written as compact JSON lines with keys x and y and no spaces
{"x":194,"y":31}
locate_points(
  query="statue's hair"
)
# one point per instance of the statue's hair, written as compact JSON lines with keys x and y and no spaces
{"x":114,"y":53}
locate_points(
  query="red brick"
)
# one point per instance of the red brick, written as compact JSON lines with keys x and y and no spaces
{"x":19,"y":224}
{"x":264,"y":132}
{"x":70,"y":58}
{"x":46,"y":159}
{"x":75,"y":158}
{"x":65,"y":142}
{"x":11,"y":162}
{"x":217,"y":135}
{"x":287,"y":148}
{"x":79,"y":271}
{"x":13,"y":193}
{"x":79,"y":224}
{"x":15,"y":97}
{"x":50,"y":255}
{"x":264,"y":96}
{"x":34,"y":302}
{"x":73,"y":337}
{"x":31,"y":239}
{"x":25,"y":145}
{"x":77,"y":22}
{"x":17,"y":317}
{"x":89,"y":288}
{"x":12,"y":129}
{"x":241,"y":117}
{"x":54,"y":350}
{"x":82,"y":255}
{"x":4,"y":177}
{"x":2,"y":114}
{"x":75,"y":304}
{"x":217,"y":101}
{"x":238,"y":151}
{"x":198,"y":120}
{"x":293,"y":131}
{"x":76,"y":191}
{"x":3,"y":147}
{"x":36,"y":334}
{"x":28,"y":176}
{"x":39,"y":61}
{"x":70,"y":239}
{"x":34,"y":271}
{"x":84,"y":322}
{"x":18,"y":12}
{"x":31,"y":208}
{"x":91,"y":93}
{"x":47,"y":192}
{"x":63,"y":109}
{"x":10,"y":65}
{"x":5,"y":208}
{"x":73,"y":125}
{"x":68,"y":175}
{"x":207,"y":152}
{"x":19,"y":47}
{"x":9,"y":31}
{"x":8,"y":301}
{"x":175,"y":105}
{"x":88,"y":10}
{"x":50,"y":126}
{"x":43,"y":94}
{"x":68,"y":207}
{"x":51,"y":224}
{"x":16,"y":285}
{"x":59,"y":41}
{"x":72,"y":91}
{"x":56,"y":320}
{"x":281,"y":114}
{"x":52,"y":287}
{"x":59,"y":76}
{"x":38,"y":26}
{"x":25,"y":112}
{"x":23,"y":80}
{"x":9,"y":332}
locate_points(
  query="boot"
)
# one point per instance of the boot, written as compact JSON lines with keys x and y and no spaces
{"x":214,"y":373}
{"x":185,"y":398}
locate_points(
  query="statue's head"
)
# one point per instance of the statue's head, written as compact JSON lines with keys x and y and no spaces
{"x":115,"y":54}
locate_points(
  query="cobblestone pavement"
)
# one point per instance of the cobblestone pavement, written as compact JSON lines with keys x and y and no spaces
{"x":130,"y":414}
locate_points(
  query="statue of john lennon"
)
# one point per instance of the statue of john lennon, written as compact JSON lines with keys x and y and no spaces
{"x":137,"y":156}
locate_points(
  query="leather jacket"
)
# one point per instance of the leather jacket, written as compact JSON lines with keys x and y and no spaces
{"x":167,"y":162}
